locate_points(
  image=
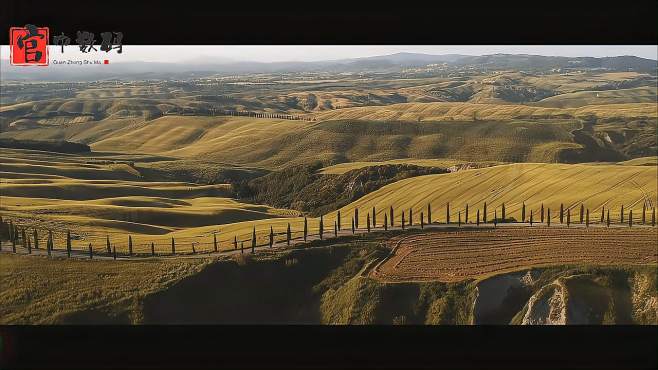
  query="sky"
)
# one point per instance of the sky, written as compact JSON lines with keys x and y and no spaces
{"x":286,"y":53}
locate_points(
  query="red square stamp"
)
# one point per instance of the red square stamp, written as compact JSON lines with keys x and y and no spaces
{"x":28,"y":46}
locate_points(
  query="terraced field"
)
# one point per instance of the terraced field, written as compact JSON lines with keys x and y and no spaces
{"x":476,"y":253}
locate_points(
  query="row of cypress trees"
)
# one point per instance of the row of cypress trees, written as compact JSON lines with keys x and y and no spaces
{"x":544,"y":214}
{"x":19,"y":236}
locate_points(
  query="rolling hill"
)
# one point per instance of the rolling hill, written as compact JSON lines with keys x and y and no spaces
{"x":583,"y":98}
{"x":195,"y":218}
{"x":469,"y":111}
{"x":594,"y":186}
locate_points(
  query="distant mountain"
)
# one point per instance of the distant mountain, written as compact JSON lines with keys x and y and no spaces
{"x":383,"y":63}
{"x":523,"y":61}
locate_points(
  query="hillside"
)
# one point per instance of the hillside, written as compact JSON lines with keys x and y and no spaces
{"x":323,"y":286}
{"x":594,"y":186}
{"x":306,"y":189}
{"x":584,"y":98}
{"x":551,"y":184}
{"x":270,"y":143}
{"x":483,"y":112}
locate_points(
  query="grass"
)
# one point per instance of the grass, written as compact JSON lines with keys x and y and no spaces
{"x":598,"y":186}
{"x":37,"y":290}
{"x":584,"y":98}
{"x":642,"y":161}
{"x":418,"y":131}
{"x":550,"y":184}
{"x":499,"y":112}
{"x":267,"y":143}
{"x":326,"y":286}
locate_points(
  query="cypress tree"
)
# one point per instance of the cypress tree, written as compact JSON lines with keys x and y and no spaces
{"x":338,"y":219}
{"x":495,"y":219}
{"x":152,"y":249}
{"x":13,"y":242}
{"x":374,"y":217}
{"x":36,"y":239}
{"x":630,"y":218}
{"x":214,"y":241}
{"x":531,"y":220}
{"x":448,"y":213}
{"x":602,"y":214}
{"x":582,"y":213}
{"x":193,"y":248}
{"x":568,"y":216}
{"x":653,"y":216}
{"x":91,"y":252}
{"x":271,"y":236}
{"x":130,"y":245}
{"x":68,"y":243}
{"x":368,"y":222}
{"x":644,"y":211}
{"x":542,"y":213}
{"x":335,"y":229}
{"x":29,"y":245}
{"x":523,"y":212}
{"x":288,"y":234}
{"x":466,"y":214}
{"x":352,"y":225}
{"x":356,"y":218}
{"x":241,"y":247}
{"x":587,"y":218}
{"x":235,"y":242}
{"x":608,"y":219}
{"x":484,"y":216}
{"x":429,"y":214}
{"x":385,"y":222}
{"x":548,"y":217}
{"x":321,"y":227}
{"x":114,"y":252}
{"x":422,"y":220}
{"x":459,"y":218}
{"x":411,"y":217}
{"x":173,"y":246}
{"x":253,"y":240}
{"x":622,"y":213}
{"x":305,"y":228}
{"x":503,"y":213}
{"x":402,"y":220}
{"x":477,"y":218}
{"x":107,"y":244}
{"x":49,"y":243}
{"x":391,"y":218}
{"x":561,"y":213}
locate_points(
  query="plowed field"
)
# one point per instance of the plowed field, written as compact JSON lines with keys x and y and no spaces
{"x":458,"y":255}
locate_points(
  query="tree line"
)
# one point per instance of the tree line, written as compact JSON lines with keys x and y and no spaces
{"x":30,"y":238}
{"x":236,"y":113}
